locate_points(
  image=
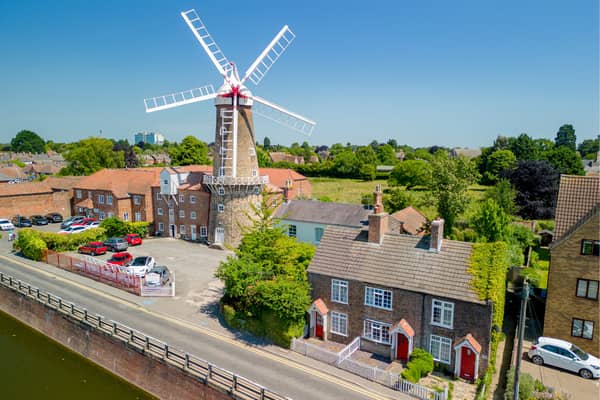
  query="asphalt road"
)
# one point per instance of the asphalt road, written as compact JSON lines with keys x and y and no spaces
{"x":280,"y":374}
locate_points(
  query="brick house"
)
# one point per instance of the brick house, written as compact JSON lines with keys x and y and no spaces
{"x":397,"y":292}
{"x":122,"y":193}
{"x":34,"y":198}
{"x":572,"y":309}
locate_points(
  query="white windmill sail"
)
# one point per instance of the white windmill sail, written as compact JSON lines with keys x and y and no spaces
{"x":270,"y":54}
{"x":278,"y":114}
{"x":180,"y":98}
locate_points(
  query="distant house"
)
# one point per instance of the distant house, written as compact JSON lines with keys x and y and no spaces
{"x":278,"y":156}
{"x":37,"y":169}
{"x":398,"y":292}
{"x":12,"y":174}
{"x":468,"y":153}
{"x":306,"y":220}
{"x":572,"y":310}
{"x":410,"y":221}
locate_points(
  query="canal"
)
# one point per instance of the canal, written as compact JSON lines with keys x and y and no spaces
{"x":33,"y":366}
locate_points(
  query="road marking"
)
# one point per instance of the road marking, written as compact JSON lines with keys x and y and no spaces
{"x":208,"y":332}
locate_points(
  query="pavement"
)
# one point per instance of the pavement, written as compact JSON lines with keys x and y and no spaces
{"x":190,"y":321}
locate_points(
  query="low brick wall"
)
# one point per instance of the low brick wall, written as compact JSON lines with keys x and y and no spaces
{"x":150,"y":374}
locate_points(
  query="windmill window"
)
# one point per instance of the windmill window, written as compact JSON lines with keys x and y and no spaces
{"x":220,"y":208}
{"x":252,"y":151}
{"x":221,"y":191}
{"x":254,"y":172}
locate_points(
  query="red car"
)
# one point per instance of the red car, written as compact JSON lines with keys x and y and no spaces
{"x":92,"y":248}
{"x":133,"y":239}
{"x":123,"y":258}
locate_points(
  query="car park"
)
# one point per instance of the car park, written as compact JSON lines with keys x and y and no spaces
{"x":6,"y":225}
{"x":72,"y":229}
{"x":38,"y":220}
{"x":158,"y":276}
{"x":92,"y":248}
{"x":116,"y":244}
{"x":71,"y":220}
{"x":21,"y":221}
{"x":140,"y":265}
{"x":123,"y":258}
{"x":133,"y":239}
{"x":54,"y":217}
{"x":562,"y":354}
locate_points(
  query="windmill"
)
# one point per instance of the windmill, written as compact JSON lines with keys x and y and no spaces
{"x":235,"y":182}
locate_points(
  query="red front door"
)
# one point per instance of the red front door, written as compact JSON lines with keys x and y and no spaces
{"x":467,"y":364}
{"x":402,"y":347}
{"x":318,"y":326}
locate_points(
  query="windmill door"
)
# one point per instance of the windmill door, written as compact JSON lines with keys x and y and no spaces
{"x":219,"y":234}
{"x":318,"y":325}
{"x":402,"y":348}
{"x":467,"y":364}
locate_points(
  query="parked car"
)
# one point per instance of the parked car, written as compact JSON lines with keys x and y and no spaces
{"x":72,"y":229}
{"x":565,"y":355}
{"x":92,"y":248}
{"x":123,"y":258}
{"x":38,"y":220}
{"x":21,"y":221}
{"x":71,"y":220}
{"x":133,"y":239}
{"x":54,"y":217}
{"x":116,"y":244}
{"x":93,"y":224}
{"x":6,"y":225}
{"x":158,"y":276}
{"x":140,"y":265}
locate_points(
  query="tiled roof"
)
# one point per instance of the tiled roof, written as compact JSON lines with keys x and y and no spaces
{"x":350,"y":215}
{"x":469,"y":338}
{"x":412,"y":220}
{"x":63,"y":182}
{"x":401,"y":261}
{"x":404,"y":326}
{"x":13,"y":172}
{"x":278,"y":176}
{"x":121,"y":181}
{"x":320,"y":306}
{"x":85,"y":203}
{"x":22,"y":189}
{"x":577,"y":195}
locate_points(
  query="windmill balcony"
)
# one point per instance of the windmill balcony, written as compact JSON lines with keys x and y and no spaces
{"x":235,"y":180}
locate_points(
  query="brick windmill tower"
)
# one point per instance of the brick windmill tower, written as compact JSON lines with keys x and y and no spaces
{"x":235,"y":181}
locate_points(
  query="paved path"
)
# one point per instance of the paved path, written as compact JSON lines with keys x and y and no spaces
{"x":279,"y":369}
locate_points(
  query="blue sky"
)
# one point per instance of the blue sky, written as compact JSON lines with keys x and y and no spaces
{"x":452,"y":73}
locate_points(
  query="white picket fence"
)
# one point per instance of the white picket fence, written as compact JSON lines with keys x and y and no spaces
{"x":342,"y":360}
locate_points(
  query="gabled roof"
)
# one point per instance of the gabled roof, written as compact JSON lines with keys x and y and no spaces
{"x":23,"y":189}
{"x":351,"y":215}
{"x":13,"y":173}
{"x":401,"y":261}
{"x":412,"y":220}
{"x":63,"y":182}
{"x":471,"y":340}
{"x":403,"y":326}
{"x":320,"y":306}
{"x":577,"y":195}
{"x":121,"y":182}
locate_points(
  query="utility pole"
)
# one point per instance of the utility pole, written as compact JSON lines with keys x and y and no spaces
{"x":524,"y":296}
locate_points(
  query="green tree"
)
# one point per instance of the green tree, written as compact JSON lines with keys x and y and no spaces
{"x":498,"y":161}
{"x":491,"y":222}
{"x":566,"y":137}
{"x":90,"y":155}
{"x":266,"y":143}
{"x":386,"y":155}
{"x":346,"y":164}
{"x":263,"y":158}
{"x":450,"y":179}
{"x":191,"y":151}
{"x":565,"y":160}
{"x":524,"y":148}
{"x":366,"y":155}
{"x":396,"y":199}
{"x":410,"y":173}
{"x":588,"y":148}
{"x":504,"y":195}
{"x":27,"y":142}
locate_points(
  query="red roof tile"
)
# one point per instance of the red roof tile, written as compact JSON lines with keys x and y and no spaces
{"x":121,"y":182}
{"x":320,"y":306}
{"x":404,"y":326}
{"x":22,"y":189}
{"x":412,"y":220}
{"x":471,"y":340}
{"x":577,"y":196}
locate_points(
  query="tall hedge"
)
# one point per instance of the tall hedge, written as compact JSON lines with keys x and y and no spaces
{"x":33,"y":243}
{"x":116,"y":227}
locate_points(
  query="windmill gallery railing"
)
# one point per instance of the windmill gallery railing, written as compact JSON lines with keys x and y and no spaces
{"x":236,"y":385}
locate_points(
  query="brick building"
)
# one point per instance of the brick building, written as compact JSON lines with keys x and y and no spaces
{"x":397,"y":292}
{"x":34,"y":198}
{"x":122,"y":193}
{"x":572,"y":309}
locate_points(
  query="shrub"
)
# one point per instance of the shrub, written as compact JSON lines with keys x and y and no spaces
{"x":115,"y":227}
{"x":420,"y":365}
{"x":527,"y":385}
{"x":30,"y":244}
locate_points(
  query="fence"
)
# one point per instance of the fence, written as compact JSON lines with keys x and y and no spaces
{"x":342,"y":361}
{"x":200,"y":369}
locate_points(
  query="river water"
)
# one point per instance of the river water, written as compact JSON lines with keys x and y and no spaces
{"x":33,"y":366}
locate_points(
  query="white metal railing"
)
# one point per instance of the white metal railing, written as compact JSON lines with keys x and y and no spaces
{"x":348,"y":350}
{"x":235,"y":180}
{"x":237,"y":386}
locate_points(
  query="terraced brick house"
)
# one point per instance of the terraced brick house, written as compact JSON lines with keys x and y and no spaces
{"x":398,"y":292}
{"x":572,"y":308}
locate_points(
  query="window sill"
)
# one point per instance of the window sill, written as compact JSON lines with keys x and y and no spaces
{"x":376,"y":341}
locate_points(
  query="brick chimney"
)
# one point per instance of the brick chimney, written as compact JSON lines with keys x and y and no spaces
{"x":437,"y":235}
{"x":378,"y":221}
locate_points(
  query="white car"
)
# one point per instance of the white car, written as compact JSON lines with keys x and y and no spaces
{"x":565,"y":355}
{"x":73,"y":229}
{"x":6,"y":225}
{"x":140,"y":265}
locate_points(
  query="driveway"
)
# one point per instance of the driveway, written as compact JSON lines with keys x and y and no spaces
{"x":561,"y":381}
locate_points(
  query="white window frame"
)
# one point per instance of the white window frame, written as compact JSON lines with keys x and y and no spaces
{"x":161,"y":227}
{"x":137,"y":200}
{"x":158,"y":196}
{"x":443,"y":343}
{"x":292,"y":230}
{"x":375,"y":331}
{"x":203,"y":231}
{"x":446,"y":313}
{"x":192,"y":199}
{"x":159,"y":211}
{"x":100,"y":199}
{"x":101,"y":215}
{"x":221,"y":191}
{"x":181,"y":213}
{"x":182,"y":198}
{"x":110,"y":214}
{"x":220,"y":208}
{"x":182,"y":229}
{"x":193,"y":214}
{"x":125,"y":216}
{"x":171,"y":212}
{"x":251,"y":151}
{"x":78,"y":194}
{"x":138,"y":217}
{"x":109,"y":199}
{"x":376,"y":297}
{"x":339,"y":323}
{"x":339,"y":291}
